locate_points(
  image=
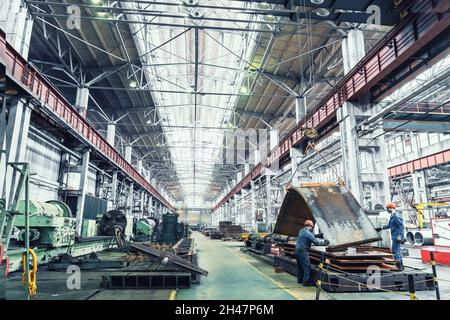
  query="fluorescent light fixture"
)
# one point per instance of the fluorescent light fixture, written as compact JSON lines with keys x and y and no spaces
{"x":322,"y":12}
{"x":133,"y":84}
{"x":102,"y":14}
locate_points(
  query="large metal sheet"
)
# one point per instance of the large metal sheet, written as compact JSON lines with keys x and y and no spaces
{"x":333,"y":208}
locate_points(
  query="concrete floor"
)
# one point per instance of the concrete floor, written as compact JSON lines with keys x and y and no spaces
{"x":236,"y":275}
{"x":232,"y":275}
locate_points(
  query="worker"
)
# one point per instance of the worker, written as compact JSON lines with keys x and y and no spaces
{"x":304,"y":241}
{"x":397,"y":233}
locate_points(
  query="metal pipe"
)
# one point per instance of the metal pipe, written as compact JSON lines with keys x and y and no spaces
{"x":423,"y":237}
{"x":410,"y":237}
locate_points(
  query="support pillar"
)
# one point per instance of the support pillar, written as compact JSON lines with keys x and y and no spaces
{"x":300,"y":109}
{"x":253,"y":206}
{"x":235,"y":211}
{"x":14,"y":126}
{"x":350,"y":115}
{"x":17,"y":23}
{"x":296,"y":155}
{"x":150,"y":205}
{"x":128,"y":150}
{"x":257,"y":154}
{"x":139,"y":166}
{"x":82,"y":99}
{"x":419,"y":187}
{"x":130,"y":199}
{"x":274,"y":138}
{"x":111,"y":133}
{"x":142,"y":203}
{"x":114,"y":185}
{"x":82,"y":193}
{"x":268,"y":217}
{"x":246,"y":168}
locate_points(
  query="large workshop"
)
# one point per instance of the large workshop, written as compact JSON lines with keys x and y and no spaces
{"x":225,"y":150}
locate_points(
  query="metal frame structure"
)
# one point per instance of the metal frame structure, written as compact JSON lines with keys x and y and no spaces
{"x":401,"y":43}
{"x":52,"y":102}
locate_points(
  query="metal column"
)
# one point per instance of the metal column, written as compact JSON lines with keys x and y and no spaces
{"x":253,"y":206}
{"x":300,"y":109}
{"x":111,"y":133}
{"x":128,"y":150}
{"x":372,"y":147}
{"x":16,"y":118}
{"x":82,"y":99}
{"x":17,"y":23}
{"x":82,"y":193}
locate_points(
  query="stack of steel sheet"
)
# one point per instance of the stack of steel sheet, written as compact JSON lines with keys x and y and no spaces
{"x":231,"y":230}
{"x":359,"y":261}
{"x":223,"y":224}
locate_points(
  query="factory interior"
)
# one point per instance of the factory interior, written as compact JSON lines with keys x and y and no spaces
{"x":225,"y":150}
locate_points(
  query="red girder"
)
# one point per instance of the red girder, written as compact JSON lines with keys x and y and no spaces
{"x":41,"y":90}
{"x":409,"y":36}
{"x":426,"y":162}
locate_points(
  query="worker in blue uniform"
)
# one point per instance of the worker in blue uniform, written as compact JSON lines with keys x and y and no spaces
{"x":397,"y":233}
{"x":304,"y":241}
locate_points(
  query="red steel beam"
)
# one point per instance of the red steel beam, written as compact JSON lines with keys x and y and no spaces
{"x":30,"y":79}
{"x":420,"y":108}
{"x":435,"y":159}
{"x":430,"y":18}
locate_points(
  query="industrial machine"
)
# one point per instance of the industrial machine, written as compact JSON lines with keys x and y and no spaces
{"x":259,"y":244}
{"x":113,"y":221}
{"x":167,"y":233}
{"x":51,"y":223}
{"x":144,"y":229}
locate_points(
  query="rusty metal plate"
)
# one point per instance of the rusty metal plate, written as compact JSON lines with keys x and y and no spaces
{"x":333,"y":208}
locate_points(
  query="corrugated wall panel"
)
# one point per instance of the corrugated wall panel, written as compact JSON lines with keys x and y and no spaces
{"x":44,"y":159}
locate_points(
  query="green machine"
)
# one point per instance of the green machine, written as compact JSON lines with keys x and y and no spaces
{"x":144,"y":229}
{"x":51,"y":223}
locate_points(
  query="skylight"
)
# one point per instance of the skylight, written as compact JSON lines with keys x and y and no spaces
{"x":195,"y":80}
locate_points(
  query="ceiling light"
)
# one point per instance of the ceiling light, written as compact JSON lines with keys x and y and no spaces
{"x":102,"y":14}
{"x":322,"y":12}
{"x":133,"y":84}
{"x":96,"y":2}
{"x":317,"y":1}
{"x":244,"y":90}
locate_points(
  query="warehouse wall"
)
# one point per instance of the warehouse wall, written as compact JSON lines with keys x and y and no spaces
{"x":73,"y":181}
{"x":44,"y":159}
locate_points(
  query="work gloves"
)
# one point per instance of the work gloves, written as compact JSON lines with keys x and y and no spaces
{"x":326,"y":242}
{"x":378,"y":229}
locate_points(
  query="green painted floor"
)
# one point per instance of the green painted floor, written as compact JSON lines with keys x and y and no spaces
{"x":231,"y":274}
